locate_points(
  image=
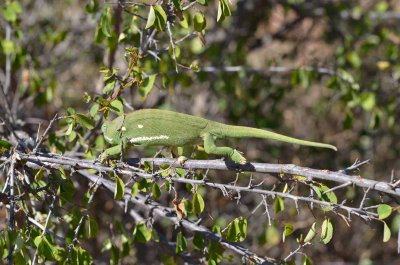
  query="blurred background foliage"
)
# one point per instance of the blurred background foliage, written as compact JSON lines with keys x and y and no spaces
{"x":324,"y":70}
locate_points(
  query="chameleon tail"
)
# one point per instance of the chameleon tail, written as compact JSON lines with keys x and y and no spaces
{"x":246,"y":132}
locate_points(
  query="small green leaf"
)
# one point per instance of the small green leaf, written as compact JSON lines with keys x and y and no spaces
{"x":144,"y":185}
{"x":223,"y":10}
{"x":177,"y":4}
{"x":354,"y":59}
{"x":161,"y":17}
{"x":203,"y":2}
{"x":181,"y":243}
{"x":220,"y":14}
{"x":287,"y":231}
{"x":311,"y":233}
{"x":85,"y":121}
{"x":386,"y":232}
{"x":321,"y":191}
{"x":105,"y":23}
{"x":198,"y":203}
{"x":198,"y":241}
{"x":119,"y":188}
{"x":11,"y":11}
{"x":306,"y":261}
{"x":45,"y":248}
{"x":135,"y":189}
{"x":367,"y":100}
{"x":279,"y":204}
{"x":141,"y":233}
{"x":151,"y":18}
{"x":156,"y":191}
{"x":148,"y":84}
{"x":94,"y":109}
{"x":7,"y":46}
{"x":91,"y":228}
{"x":384,"y":211}
{"x":237,"y":230}
{"x":109,"y":86}
{"x":117,"y":107}
{"x":326,"y":231}
{"x":4,"y":146}
{"x":199,"y":22}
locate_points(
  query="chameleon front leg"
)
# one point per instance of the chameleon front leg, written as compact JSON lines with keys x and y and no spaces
{"x":112,"y":151}
{"x":211,"y":148}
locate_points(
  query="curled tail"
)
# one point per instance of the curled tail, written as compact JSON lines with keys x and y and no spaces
{"x":247,"y":132}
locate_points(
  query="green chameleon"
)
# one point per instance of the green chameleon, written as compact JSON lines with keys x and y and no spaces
{"x":151,"y":127}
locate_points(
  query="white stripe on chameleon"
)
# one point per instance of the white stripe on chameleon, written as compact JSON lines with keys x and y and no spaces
{"x":140,"y":126}
{"x":123,"y":128}
{"x":147,"y":138}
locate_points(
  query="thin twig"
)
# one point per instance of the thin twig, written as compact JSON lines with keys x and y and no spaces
{"x":339,"y":187}
{"x":38,"y":143}
{"x":12,"y":204}
{"x":171,"y":40}
{"x":44,"y":229}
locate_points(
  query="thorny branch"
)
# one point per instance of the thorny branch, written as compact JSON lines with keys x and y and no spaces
{"x":51,"y":161}
{"x":161,"y":211}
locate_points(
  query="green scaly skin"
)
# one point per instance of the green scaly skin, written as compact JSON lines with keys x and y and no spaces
{"x":151,"y":127}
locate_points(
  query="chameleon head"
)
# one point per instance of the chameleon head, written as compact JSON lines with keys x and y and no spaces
{"x":112,"y":130}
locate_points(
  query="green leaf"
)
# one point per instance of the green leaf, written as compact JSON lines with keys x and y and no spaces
{"x":144,"y":185}
{"x":147,"y":85}
{"x":320,"y":190}
{"x":367,"y":100}
{"x":45,"y":248}
{"x":91,"y":228}
{"x":85,"y":121}
{"x":354,"y":59}
{"x":237,"y":230}
{"x":4,"y":146}
{"x":135,"y":189}
{"x":287,"y":230}
{"x":181,"y":243}
{"x":279,"y":204}
{"x":141,"y":233}
{"x":105,"y":23}
{"x":326,"y":231}
{"x":177,"y":4}
{"x":161,"y":17}
{"x":151,"y":18}
{"x":386,"y":232}
{"x":220,"y":14}
{"x":117,"y":106}
{"x":384,"y":211}
{"x":203,"y":2}
{"x":109,"y":86}
{"x":11,"y":11}
{"x":199,"y":22}
{"x":7,"y":46}
{"x":223,"y":10}
{"x":306,"y":261}
{"x":198,"y":241}
{"x":156,"y":191}
{"x":119,"y":188}
{"x":311,"y":233}
{"x":198,"y":203}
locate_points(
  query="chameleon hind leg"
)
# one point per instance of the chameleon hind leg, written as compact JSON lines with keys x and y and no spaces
{"x":211,"y":148}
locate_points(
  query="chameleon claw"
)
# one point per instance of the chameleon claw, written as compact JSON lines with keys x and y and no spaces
{"x":182,"y":160}
{"x":238,"y":157}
